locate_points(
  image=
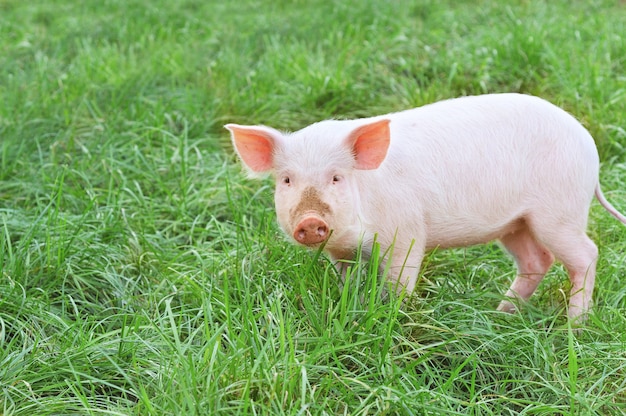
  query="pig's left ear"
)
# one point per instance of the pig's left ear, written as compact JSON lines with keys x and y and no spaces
{"x":369,"y":144}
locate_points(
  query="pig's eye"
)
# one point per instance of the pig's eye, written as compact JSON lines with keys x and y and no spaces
{"x":286,"y":180}
{"x":336,"y":179}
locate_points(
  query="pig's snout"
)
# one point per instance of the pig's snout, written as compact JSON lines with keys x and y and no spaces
{"x":311,"y":231}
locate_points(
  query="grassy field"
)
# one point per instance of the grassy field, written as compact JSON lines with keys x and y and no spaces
{"x":142,"y":274}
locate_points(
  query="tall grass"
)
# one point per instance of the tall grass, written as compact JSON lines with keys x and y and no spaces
{"x":143,"y":274}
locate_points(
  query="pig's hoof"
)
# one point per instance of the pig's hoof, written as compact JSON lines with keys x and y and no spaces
{"x":507,"y":306}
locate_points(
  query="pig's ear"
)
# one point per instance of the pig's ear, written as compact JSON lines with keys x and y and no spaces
{"x":369,"y":144}
{"x":254,"y":145}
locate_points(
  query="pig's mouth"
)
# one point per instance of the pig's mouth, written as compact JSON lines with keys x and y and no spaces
{"x":311,"y":230}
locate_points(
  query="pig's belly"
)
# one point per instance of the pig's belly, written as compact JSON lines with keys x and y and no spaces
{"x":456,"y":233}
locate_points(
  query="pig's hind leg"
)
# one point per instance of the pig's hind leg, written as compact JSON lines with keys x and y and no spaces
{"x":579,"y":256}
{"x":564,"y":235}
{"x":533,"y":260}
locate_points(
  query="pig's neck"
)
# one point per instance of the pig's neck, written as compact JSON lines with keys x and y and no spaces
{"x":340,"y":253}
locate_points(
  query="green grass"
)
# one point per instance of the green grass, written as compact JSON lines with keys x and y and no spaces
{"x":142,"y":274}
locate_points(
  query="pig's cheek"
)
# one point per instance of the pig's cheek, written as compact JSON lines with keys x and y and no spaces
{"x":344,"y":206}
{"x":283,"y":215}
{"x":282,"y":223}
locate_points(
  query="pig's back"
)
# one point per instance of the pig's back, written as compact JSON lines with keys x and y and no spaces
{"x":508,"y":123}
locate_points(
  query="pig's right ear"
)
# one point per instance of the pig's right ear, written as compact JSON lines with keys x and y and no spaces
{"x":369,"y":144}
{"x":254,"y":145}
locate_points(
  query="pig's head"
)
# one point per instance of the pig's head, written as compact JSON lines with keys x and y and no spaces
{"x":315,"y":169}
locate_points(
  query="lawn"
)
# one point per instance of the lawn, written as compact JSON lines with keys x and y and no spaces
{"x":144,"y":274}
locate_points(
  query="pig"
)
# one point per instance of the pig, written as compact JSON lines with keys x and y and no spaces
{"x":508,"y":167}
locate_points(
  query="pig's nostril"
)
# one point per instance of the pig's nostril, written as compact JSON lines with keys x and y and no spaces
{"x":311,"y":231}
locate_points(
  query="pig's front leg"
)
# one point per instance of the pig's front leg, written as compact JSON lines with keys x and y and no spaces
{"x":404,"y":269}
{"x":342,"y":259}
